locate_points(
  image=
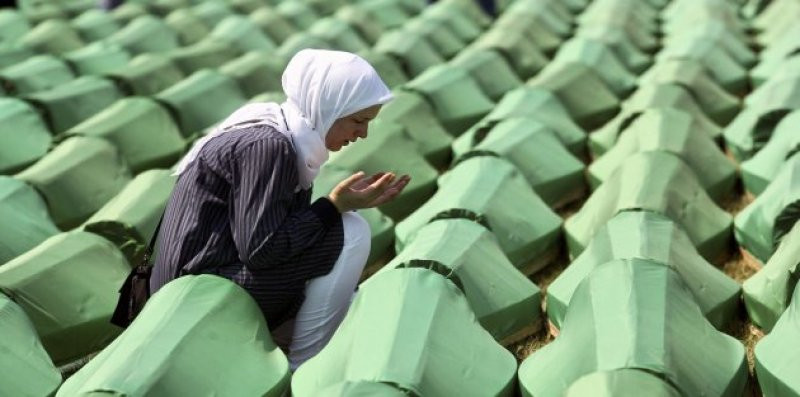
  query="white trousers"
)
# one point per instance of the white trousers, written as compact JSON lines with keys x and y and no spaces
{"x":327,"y":297}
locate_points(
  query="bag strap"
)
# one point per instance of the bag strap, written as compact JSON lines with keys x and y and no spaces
{"x":152,"y":245}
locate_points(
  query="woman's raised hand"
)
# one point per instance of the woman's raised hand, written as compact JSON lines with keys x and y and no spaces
{"x":359,"y":191}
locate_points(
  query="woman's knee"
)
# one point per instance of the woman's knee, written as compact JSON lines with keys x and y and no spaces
{"x":356,"y":229}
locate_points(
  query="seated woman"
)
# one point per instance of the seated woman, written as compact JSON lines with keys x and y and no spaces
{"x":241,"y":208}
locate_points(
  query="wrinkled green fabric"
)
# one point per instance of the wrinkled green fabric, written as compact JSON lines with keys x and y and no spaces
{"x":300,"y":41}
{"x":422,"y":339}
{"x":661,"y":182}
{"x":25,"y":214}
{"x":206,"y":54}
{"x":37,"y":73}
{"x":188,"y":26}
{"x":67,"y":286}
{"x":673,"y":131}
{"x":777,"y":355}
{"x":649,"y":320}
{"x":505,"y":302}
{"x":76,"y":178}
{"x":205,"y":325}
{"x":514,"y":45}
{"x":71,"y":103}
{"x":255,"y":72}
{"x":95,"y":25}
{"x":490,"y":70}
{"x":444,"y":40}
{"x":763,"y":167}
{"x":25,"y":367}
{"x":24,"y":135}
{"x":300,"y":14}
{"x":340,"y":34}
{"x":761,"y":225}
{"x":648,"y":235}
{"x":387,"y":67}
{"x":147,"y":75}
{"x":242,"y":34}
{"x":145,"y":34}
{"x":53,"y":36}
{"x":273,"y":24}
{"x":626,"y":382}
{"x":617,"y":39}
{"x":98,"y":58}
{"x":494,"y":189}
{"x":412,"y":51}
{"x":598,"y":56}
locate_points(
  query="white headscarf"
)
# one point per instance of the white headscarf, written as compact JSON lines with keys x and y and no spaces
{"x":321,"y":86}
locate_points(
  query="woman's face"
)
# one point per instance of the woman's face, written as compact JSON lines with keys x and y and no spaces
{"x":349,"y":128}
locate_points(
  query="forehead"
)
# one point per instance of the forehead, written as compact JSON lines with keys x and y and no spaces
{"x":369,"y":112}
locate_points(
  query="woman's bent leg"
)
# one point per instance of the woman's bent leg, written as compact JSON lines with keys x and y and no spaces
{"x":328,"y":297}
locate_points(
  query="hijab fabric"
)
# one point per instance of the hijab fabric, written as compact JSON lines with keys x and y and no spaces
{"x":321,"y":86}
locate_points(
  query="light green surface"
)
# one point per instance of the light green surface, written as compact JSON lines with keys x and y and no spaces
{"x":340,"y":34}
{"x":37,"y":73}
{"x":25,"y":214}
{"x":777,"y":355}
{"x":198,"y":335}
{"x":98,"y":58}
{"x":189,"y":27}
{"x":761,"y":169}
{"x":626,"y":382}
{"x":13,"y":25}
{"x":145,"y":34}
{"x":53,"y":36}
{"x":147,"y":75}
{"x":273,"y":24}
{"x":532,"y":27}
{"x":443,"y":40}
{"x":212,"y":12}
{"x":514,"y":45}
{"x":360,"y":20}
{"x":387,"y":67}
{"x":618,"y":40}
{"x":24,"y":135}
{"x":256,"y":72}
{"x":300,"y":14}
{"x":242,"y":34}
{"x":207,"y":53}
{"x":490,"y":70}
{"x":412,"y":51}
{"x":598,"y":56}
{"x":719,"y":63}
{"x":95,"y":24}
{"x":300,"y":41}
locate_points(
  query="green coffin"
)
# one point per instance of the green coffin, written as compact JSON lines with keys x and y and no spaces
{"x":299,"y":14}
{"x":205,"y":54}
{"x":201,"y":327}
{"x":71,"y":103}
{"x":37,"y":73}
{"x":13,"y":54}
{"x":490,"y":70}
{"x":764,"y":166}
{"x":24,"y":135}
{"x":597,"y":55}
{"x":188,"y":26}
{"x":76,"y":178}
{"x":494,"y":190}
{"x":774,"y":57}
{"x":389,"y":14}
{"x":675,"y":131}
{"x":146,"y":34}
{"x":648,"y":235}
{"x":95,"y":25}
{"x":188,"y":100}
{"x":412,"y":51}
{"x":147,"y":74}
{"x":555,"y":15}
{"x":506,"y":303}
{"x":360,"y":20}
{"x":25,"y":214}
{"x":387,"y":67}
{"x":649,"y":321}
{"x":98,"y":58}
{"x":67,"y":286}
{"x":768,"y":292}
{"x":128,"y":11}
{"x":300,"y":41}
{"x":13,"y":25}
{"x":25,"y":367}
{"x":54,"y":36}
{"x":422,"y":339}
{"x":777,"y":355}
{"x":719,"y":64}
{"x":242,"y":34}
{"x":531,"y":26}
{"x":661,"y":182}
{"x":340,"y":34}
{"x":457,"y":20}
{"x":212,"y":12}
{"x":626,"y":382}
{"x":716,"y":32}
{"x":616,"y":38}
{"x":273,"y":24}
{"x":255,"y":72}
{"x":641,"y":29}
{"x":761,"y":225}
{"x":444,"y":40}
{"x":141,"y":129}
{"x":515,"y":46}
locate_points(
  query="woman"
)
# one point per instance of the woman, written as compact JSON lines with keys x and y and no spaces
{"x":241,"y":207}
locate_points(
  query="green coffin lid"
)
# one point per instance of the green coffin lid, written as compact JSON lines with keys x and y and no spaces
{"x":490,"y":70}
{"x":12,"y":54}
{"x":76,"y":178}
{"x":422,"y":339}
{"x":204,"y":324}
{"x":524,"y":56}
{"x":675,"y":131}
{"x":300,"y":41}
{"x":680,"y":15}
{"x":37,"y":73}
{"x":147,"y":74}
{"x":582,"y":91}
{"x":389,"y":150}
{"x":54,"y":36}
{"x":732,"y":41}
{"x":71,"y":103}
{"x":554,"y":14}
{"x":506,"y":303}
{"x":773,"y":17}
{"x":95,"y":25}
{"x":246,"y":6}
{"x":68,"y":286}
{"x":777,"y":355}
{"x":649,"y":320}
{"x":768,"y":292}
{"x":593,"y":54}
{"x":493,"y":189}
{"x":638,"y":13}
{"x":359,"y":19}
{"x":776,"y":57}
{"x":616,"y":39}
{"x":456,"y":98}
{"x":127,"y":12}
{"x":456,"y":19}
{"x":146,"y":34}
{"x":445,"y":41}
{"x":661,"y":182}
{"x":625,"y":382}
{"x":389,"y":14}
{"x":299,"y":14}
{"x":643,"y":37}
{"x":25,"y":214}
{"x":761,"y":225}
{"x":24,"y":135}
{"x":13,"y":25}
{"x":340,"y":34}
{"x":98,"y":58}
{"x":189,"y":27}
{"x":651,"y":96}
{"x":381,"y":226}
{"x":412,"y":51}
{"x":256,"y":72}
{"x":188,"y":100}
{"x":719,"y":64}
{"x":212,"y":12}
{"x":242,"y":34}
{"x":140,"y":128}
{"x":387,"y":67}
{"x":25,"y":367}
{"x":549,"y":168}
{"x":470,"y":9}
{"x":531,"y":26}
{"x":413,"y":112}
{"x":781,"y":90}
{"x":718,"y":104}
{"x":207,"y":53}
{"x":648,"y":235}
{"x":761,"y":169}
{"x":273,"y":24}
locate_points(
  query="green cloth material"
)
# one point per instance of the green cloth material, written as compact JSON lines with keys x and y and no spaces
{"x":422,"y":339}
{"x":674,"y":131}
{"x":514,"y":45}
{"x":492,"y":189}
{"x":387,"y":67}
{"x":128,"y":11}
{"x":271,"y":96}
{"x":256,"y":72}
{"x":648,"y":320}
{"x":777,"y":355}
{"x":94,"y":25}
{"x":716,"y":32}
{"x":626,"y":382}
{"x":761,"y":169}
{"x":412,"y":51}
{"x":553,"y":14}
{"x":242,"y":34}
{"x":617,"y":39}
{"x":456,"y":18}
{"x":389,"y":14}
{"x":598,"y":56}
{"x":76,"y":178}
{"x":768,"y":292}
{"x":188,"y":100}
{"x":774,"y":57}
{"x":300,"y":41}
{"x":533,"y":28}
{"x":300,"y":14}
{"x":212,"y":12}
{"x":719,"y":64}
{"x":360,"y":20}
{"x":25,"y":367}
{"x":640,"y":24}
{"x":37,"y":73}
{"x":490,"y":70}
{"x":142,"y":130}
{"x":98,"y":58}
{"x":761,"y":225}
{"x":147,"y":74}
{"x":13,"y":25}
{"x":506,"y":303}
{"x":444,"y":40}
{"x":13,"y":54}
{"x":25,"y":214}
{"x":648,"y":235}
{"x":68,"y":286}
{"x":71,"y":103}
{"x":273,"y":24}
{"x":773,"y":21}
{"x":205,"y":54}
{"x":188,"y":26}
{"x":53,"y":36}
{"x":24,"y":135}
{"x":205,"y":325}
{"x":340,"y":34}
{"x":145,"y":34}
{"x":661,"y":182}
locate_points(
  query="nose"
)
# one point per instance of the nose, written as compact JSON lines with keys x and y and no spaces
{"x":362,"y":132}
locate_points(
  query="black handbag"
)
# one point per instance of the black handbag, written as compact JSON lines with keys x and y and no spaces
{"x":136,"y":289}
